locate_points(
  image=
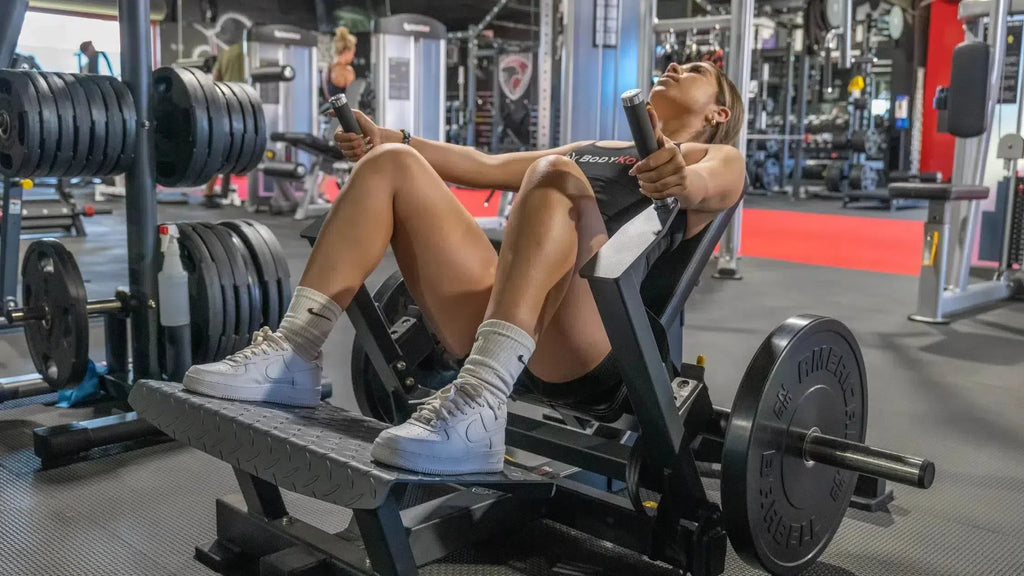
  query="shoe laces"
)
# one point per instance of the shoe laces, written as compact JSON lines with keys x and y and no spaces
{"x":263,"y":342}
{"x":453,"y":399}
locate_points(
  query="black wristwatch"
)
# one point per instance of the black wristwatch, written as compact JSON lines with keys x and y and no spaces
{"x":406,"y":136}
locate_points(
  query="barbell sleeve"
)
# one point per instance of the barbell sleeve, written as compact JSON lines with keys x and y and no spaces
{"x":848,"y":455}
{"x":868,"y":460}
{"x":22,"y":315}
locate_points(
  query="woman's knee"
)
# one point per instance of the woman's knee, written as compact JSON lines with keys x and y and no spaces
{"x":558,"y":173}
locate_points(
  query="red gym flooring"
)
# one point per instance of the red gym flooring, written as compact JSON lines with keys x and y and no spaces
{"x":777,"y":229}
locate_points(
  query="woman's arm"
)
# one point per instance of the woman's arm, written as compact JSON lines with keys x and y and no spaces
{"x":467,"y":166}
{"x":461,"y":165}
{"x":704,"y":177}
{"x":716,"y":181}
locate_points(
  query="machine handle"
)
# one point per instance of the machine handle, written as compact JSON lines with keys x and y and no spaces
{"x":343,"y":112}
{"x":635,"y":106}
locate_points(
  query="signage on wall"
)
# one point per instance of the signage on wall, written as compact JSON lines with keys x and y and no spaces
{"x":902,"y":112}
{"x":515,"y":72}
{"x":1010,"y":82}
{"x":606,"y":23}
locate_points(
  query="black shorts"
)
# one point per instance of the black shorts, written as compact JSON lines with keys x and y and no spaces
{"x":594,"y":386}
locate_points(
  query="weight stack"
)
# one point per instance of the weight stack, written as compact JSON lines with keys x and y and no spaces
{"x":239,"y":281}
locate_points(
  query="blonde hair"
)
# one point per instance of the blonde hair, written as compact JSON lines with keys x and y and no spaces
{"x":343,"y":40}
{"x":727,"y":132}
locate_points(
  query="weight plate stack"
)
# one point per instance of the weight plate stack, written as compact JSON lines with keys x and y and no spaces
{"x":21,"y":130}
{"x":813,"y":171}
{"x":247,"y":137}
{"x":239,"y":289}
{"x":49,"y":127}
{"x":65,"y":123}
{"x":59,"y":343}
{"x":253,"y":282}
{"x":863,"y":177}
{"x":182,"y":132}
{"x":129,"y":122}
{"x":259,"y":125}
{"x":266,"y":268}
{"x":219,"y":122}
{"x":226,"y":338}
{"x":237,"y":126}
{"x":834,"y":176}
{"x":97,"y":151}
{"x":114,"y":139}
{"x":771,"y":174}
{"x":284,"y":277}
{"x":840,"y":140}
{"x":206,"y":301}
{"x":82,"y":122}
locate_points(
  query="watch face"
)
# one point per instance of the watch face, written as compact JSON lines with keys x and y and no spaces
{"x":895,"y":22}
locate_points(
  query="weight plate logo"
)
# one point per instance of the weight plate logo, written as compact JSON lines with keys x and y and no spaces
{"x":516,"y":71}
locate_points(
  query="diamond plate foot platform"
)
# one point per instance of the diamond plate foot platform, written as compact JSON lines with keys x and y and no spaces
{"x":324,"y":453}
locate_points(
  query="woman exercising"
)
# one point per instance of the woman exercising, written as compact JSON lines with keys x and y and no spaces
{"x":527,"y":309}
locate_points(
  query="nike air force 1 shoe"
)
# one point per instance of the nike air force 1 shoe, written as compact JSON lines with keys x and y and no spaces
{"x":268,"y":370}
{"x":459,"y":430}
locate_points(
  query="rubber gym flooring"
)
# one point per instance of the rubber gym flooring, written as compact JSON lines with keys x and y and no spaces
{"x":954,"y":394}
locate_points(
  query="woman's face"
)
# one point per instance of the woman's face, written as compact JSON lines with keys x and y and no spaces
{"x":686,"y":89}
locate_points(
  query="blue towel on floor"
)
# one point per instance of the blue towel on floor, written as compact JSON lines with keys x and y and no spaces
{"x":88,"y":390}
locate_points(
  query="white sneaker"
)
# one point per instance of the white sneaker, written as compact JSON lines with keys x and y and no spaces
{"x":459,"y":430}
{"x":268,"y":370}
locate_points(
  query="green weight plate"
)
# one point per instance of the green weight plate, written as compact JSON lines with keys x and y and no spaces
{"x":49,"y":127}
{"x":253,"y":281}
{"x":247,"y":137}
{"x":277,"y":251}
{"x":66,"y":123}
{"x":780,"y":510}
{"x":130,"y":120}
{"x":82,"y":124}
{"x":98,"y":126}
{"x":220,"y":126}
{"x":20,"y":124}
{"x":59,"y":344}
{"x":182,"y":134}
{"x":240,"y":287}
{"x":206,"y":303}
{"x":261,"y":128}
{"x":266,"y":267}
{"x":226,"y":338}
{"x":237,"y":126}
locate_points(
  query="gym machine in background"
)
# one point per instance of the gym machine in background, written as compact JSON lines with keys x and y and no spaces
{"x":281,"y":61}
{"x":408,"y":62}
{"x":967,"y":110}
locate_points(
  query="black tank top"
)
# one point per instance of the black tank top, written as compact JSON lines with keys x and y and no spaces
{"x":619,"y":199}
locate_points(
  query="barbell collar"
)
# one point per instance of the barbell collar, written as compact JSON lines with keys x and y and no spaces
{"x":864,"y":459}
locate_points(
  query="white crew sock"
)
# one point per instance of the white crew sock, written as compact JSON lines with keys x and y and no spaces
{"x":308,"y":322}
{"x":500,"y":354}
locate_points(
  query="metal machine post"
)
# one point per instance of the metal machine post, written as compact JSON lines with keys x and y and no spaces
{"x":10,"y":29}
{"x":10,"y":241}
{"x":140,"y":189}
{"x":740,"y":40}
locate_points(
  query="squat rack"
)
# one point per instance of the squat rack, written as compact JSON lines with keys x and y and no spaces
{"x":141,"y":236}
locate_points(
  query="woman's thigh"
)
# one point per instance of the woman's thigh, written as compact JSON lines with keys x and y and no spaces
{"x":446,"y":259}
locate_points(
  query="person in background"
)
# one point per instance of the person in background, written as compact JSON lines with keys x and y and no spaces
{"x":92,"y":55}
{"x":341,"y":73}
{"x":230,"y":67}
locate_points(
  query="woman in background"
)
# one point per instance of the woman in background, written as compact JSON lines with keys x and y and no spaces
{"x":341,"y":73}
